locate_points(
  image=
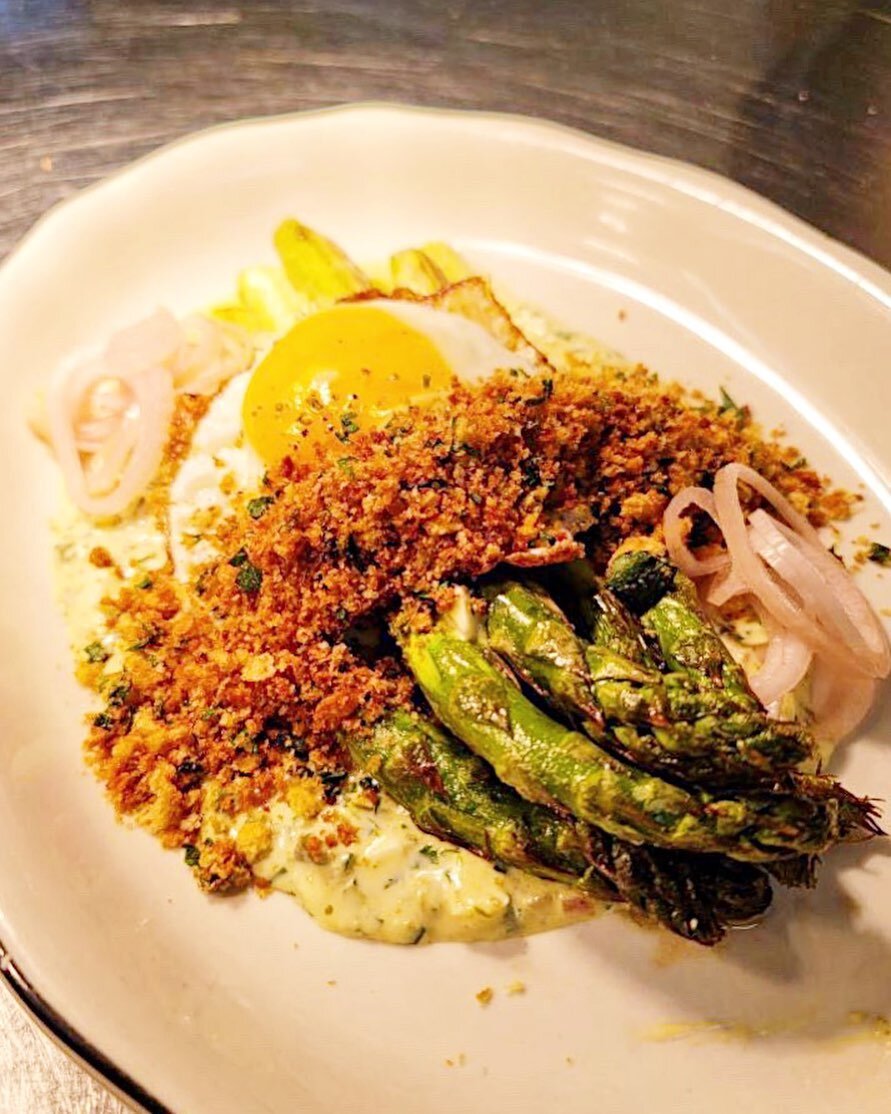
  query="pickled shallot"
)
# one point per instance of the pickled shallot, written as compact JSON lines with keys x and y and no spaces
{"x":108,"y":419}
{"x":813,"y":611}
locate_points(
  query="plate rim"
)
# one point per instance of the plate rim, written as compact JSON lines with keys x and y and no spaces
{"x":676,"y":174}
{"x":707,"y":186}
{"x":73,"y":1043}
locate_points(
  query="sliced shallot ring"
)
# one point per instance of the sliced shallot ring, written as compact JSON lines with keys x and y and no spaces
{"x":105,"y":467}
{"x":785,"y":663}
{"x":212,"y":352}
{"x":100,"y":412}
{"x":725,"y":585}
{"x":735,"y":472}
{"x":825,"y":589}
{"x":153,"y":393}
{"x":678,"y":550}
{"x":748,"y":566}
{"x":858,"y":611}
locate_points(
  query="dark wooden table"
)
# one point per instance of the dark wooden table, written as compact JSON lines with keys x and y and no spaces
{"x":790,"y":97}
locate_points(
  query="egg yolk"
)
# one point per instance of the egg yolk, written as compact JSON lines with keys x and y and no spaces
{"x":334,"y":373}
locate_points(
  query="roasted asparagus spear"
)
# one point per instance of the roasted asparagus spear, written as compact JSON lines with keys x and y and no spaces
{"x":666,"y":603}
{"x":688,"y":642}
{"x":549,"y":764}
{"x":452,"y":794}
{"x":656,"y":720}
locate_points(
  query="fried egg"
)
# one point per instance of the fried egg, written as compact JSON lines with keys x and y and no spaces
{"x":345,"y":368}
{"x":352,"y":366}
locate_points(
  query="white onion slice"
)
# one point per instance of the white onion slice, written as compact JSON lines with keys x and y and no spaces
{"x":680,"y":553}
{"x":138,"y":459}
{"x":816,"y":616}
{"x":725,"y":586}
{"x":783,"y":668}
{"x":825,"y":589}
{"x":108,"y":419}
{"x":784,"y":608}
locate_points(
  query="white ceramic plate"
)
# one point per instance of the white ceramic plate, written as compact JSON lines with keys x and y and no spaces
{"x":242,"y":1005}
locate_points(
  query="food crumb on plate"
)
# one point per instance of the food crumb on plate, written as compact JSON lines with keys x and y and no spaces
{"x":516,"y":987}
{"x":485,"y":996}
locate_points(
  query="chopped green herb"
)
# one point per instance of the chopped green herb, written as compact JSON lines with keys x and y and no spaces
{"x":118,"y":695}
{"x":345,"y":464}
{"x":193,"y":855}
{"x":531,"y":474}
{"x":146,"y":582}
{"x":342,"y":614}
{"x":475,"y":498}
{"x":212,"y":712}
{"x":348,"y":424}
{"x":103,"y":720}
{"x":256,"y":508}
{"x":879,"y":554}
{"x":249,"y":579}
{"x":96,"y":652}
{"x":239,"y":558}
{"x":728,"y":406}
{"x":430,"y":853}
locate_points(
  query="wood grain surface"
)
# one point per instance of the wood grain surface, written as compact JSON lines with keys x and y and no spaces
{"x":789,"y":97}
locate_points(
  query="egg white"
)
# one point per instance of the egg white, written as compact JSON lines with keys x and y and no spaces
{"x":219,"y":450}
{"x":470,"y":351}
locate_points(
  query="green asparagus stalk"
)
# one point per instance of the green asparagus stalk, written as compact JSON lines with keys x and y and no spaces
{"x":452,"y":794}
{"x":652,"y":719}
{"x":551,"y":765}
{"x":689,"y":643}
{"x":668,"y":608}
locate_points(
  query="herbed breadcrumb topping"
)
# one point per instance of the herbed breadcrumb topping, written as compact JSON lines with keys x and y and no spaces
{"x":244,"y":681}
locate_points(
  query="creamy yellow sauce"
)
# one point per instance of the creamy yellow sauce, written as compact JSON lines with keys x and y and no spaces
{"x":396,"y":883}
{"x":135,"y":544}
